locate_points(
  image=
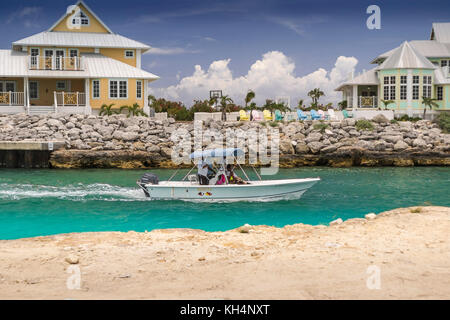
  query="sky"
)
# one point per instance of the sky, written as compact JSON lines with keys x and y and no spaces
{"x":278,"y":48}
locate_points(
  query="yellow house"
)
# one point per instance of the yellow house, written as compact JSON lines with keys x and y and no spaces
{"x":76,"y":66}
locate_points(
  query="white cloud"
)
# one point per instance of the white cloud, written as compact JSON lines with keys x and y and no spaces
{"x":170,"y":51}
{"x":271,"y":77}
{"x":27,"y":15}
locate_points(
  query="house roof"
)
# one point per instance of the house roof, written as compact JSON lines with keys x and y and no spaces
{"x":441,"y":32}
{"x":439,"y":77}
{"x":81,"y":40}
{"x":427,"y":48}
{"x":15,"y":64}
{"x":366,"y":78}
{"x":71,"y":8}
{"x":406,"y":57}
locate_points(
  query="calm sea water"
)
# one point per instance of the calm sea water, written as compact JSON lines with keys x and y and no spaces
{"x":46,"y":202}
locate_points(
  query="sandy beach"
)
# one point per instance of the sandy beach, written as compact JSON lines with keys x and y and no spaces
{"x":400,"y":254}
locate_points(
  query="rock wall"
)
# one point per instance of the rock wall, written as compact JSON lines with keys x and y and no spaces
{"x":120,"y":142}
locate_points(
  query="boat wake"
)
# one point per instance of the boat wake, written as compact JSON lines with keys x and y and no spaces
{"x":76,"y":192}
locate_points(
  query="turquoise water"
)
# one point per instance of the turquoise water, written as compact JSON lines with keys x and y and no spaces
{"x":46,"y":202}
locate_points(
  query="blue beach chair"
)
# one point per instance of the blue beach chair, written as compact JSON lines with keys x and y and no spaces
{"x":315,"y":115}
{"x":278,"y":115}
{"x":301,"y":115}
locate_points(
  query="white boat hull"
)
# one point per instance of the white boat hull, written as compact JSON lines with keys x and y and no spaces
{"x":269,"y":190}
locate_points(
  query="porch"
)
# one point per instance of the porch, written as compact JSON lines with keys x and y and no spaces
{"x":361,"y":96}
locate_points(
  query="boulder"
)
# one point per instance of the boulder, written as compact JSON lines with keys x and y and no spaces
{"x":420,"y":143}
{"x":400,"y":146}
{"x":380,"y":119}
{"x":315,"y":146}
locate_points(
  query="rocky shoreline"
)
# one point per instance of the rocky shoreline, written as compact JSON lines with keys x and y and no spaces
{"x":139,"y":142}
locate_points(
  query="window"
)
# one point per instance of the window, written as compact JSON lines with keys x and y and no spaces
{"x":129,"y":53}
{"x":403,"y":79}
{"x":139,"y":89}
{"x":95,"y":89}
{"x":427,"y":86}
{"x":61,"y":85}
{"x":73,"y":53}
{"x":80,"y":19}
{"x":34,"y":89}
{"x":118,"y":89}
{"x":389,"y":88}
{"x":415,"y":93}
{"x":444,"y":63}
{"x":123,"y":90}
{"x":34,"y":52}
{"x":415,"y":79}
{"x":439,"y":93}
{"x":402,"y":92}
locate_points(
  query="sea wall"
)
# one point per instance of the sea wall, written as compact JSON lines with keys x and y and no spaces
{"x":139,"y":142}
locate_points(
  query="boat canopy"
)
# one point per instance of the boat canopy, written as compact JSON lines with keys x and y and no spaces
{"x":217,"y":153}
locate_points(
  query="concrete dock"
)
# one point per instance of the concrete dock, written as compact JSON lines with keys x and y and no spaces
{"x":27,"y":154}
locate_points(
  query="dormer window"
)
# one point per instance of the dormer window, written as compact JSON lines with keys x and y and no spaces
{"x":80,"y":19}
{"x":129,"y":54}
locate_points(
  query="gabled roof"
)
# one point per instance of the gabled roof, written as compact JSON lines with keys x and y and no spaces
{"x":441,"y":32}
{"x":82,"y":40}
{"x":405,"y":57}
{"x":366,"y":78}
{"x":15,"y":64}
{"x":427,"y":48}
{"x":71,"y":8}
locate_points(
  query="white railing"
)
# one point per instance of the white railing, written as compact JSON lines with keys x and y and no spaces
{"x":70,"y":99}
{"x":55,"y":63}
{"x":368,"y":102}
{"x":12,"y":99}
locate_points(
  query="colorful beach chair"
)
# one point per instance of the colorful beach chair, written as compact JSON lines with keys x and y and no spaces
{"x":267,"y":115}
{"x":278,"y":115}
{"x":301,"y":115}
{"x":243,"y":116}
{"x":315,"y":115}
{"x":346,"y":114}
{"x":256,"y":115}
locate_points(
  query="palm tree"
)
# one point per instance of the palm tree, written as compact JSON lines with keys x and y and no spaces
{"x":134,"y":110}
{"x":248,"y":98}
{"x":386,"y":103}
{"x":430,"y":103}
{"x":106,"y":110}
{"x":225,"y":102}
{"x":315,"y":95}
{"x":300,"y":104}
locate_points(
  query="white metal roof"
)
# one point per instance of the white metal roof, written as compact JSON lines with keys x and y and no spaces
{"x":366,"y":78}
{"x":405,"y":57}
{"x":427,"y":48}
{"x":15,"y":64}
{"x":439,"y":77}
{"x":81,"y":39}
{"x":441,"y":32}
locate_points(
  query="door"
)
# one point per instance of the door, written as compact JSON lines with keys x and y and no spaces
{"x":48,"y":53}
{"x":59,"y":59}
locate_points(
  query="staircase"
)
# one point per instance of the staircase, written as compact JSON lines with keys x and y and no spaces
{"x":38,"y":110}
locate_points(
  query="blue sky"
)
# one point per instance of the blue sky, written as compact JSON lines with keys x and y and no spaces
{"x":311,"y":34}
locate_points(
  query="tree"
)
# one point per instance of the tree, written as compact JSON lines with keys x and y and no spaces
{"x":300,"y":104}
{"x":248,"y":98}
{"x":135,"y":110}
{"x":430,"y":103}
{"x":106,"y":110}
{"x":315,"y":95}
{"x":225,"y":105}
{"x":386,"y":103}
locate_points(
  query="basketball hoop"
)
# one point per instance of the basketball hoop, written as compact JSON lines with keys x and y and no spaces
{"x":215,"y":94}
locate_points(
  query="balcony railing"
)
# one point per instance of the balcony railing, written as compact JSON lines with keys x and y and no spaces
{"x":12,"y":98}
{"x":70,"y":99}
{"x":368,"y":102}
{"x":55,"y":63}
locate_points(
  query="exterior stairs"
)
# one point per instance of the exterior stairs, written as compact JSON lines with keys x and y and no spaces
{"x":39,"y":110}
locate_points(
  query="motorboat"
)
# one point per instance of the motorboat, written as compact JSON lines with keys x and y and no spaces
{"x":219,"y":187}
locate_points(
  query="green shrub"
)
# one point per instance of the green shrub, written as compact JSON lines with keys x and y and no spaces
{"x":405,"y":117}
{"x":443,"y":121}
{"x":364,"y":125}
{"x":394,"y":121}
{"x":273,"y":124}
{"x":321,"y":127}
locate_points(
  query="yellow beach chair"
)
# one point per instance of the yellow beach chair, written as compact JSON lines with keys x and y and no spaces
{"x":267,"y":115}
{"x":243,"y":116}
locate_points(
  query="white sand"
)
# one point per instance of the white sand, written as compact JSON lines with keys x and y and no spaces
{"x":410,"y":249}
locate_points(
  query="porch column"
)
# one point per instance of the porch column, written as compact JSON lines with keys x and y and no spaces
{"x":355,"y":97}
{"x":146,"y":106}
{"x":87,"y":108}
{"x":26,"y":83}
{"x":409,"y":93}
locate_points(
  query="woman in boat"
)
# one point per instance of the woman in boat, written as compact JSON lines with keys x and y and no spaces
{"x":232,"y":177}
{"x":203,"y":172}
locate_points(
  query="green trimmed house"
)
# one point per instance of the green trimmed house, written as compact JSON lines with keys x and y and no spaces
{"x":404,"y":75}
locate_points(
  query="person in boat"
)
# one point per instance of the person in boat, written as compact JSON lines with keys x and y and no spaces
{"x":202,"y":173}
{"x":232,"y":177}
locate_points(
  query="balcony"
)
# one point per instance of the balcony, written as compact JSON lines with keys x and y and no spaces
{"x":56,"y":63}
{"x":12,"y":99}
{"x":70,"y":99}
{"x":368,"y":102}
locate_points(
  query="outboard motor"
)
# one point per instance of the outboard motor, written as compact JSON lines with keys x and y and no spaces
{"x":148,"y":178}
